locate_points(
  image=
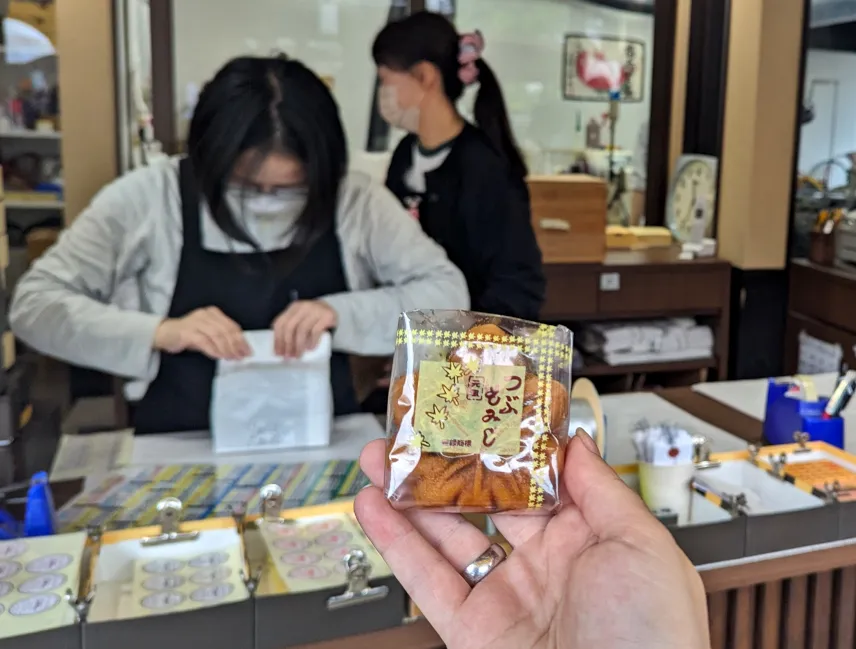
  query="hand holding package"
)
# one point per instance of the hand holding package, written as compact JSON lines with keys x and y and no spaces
{"x":267,"y":402}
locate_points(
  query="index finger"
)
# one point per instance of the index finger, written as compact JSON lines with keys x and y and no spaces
{"x":610,"y":508}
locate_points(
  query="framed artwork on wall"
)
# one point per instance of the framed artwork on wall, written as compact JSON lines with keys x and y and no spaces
{"x":594,"y":66}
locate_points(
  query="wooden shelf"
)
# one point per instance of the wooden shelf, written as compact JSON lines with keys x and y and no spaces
{"x":34,"y":205}
{"x":594,"y":367}
{"x":31,"y":135}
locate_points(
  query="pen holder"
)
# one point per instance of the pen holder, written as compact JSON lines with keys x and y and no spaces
{"x":786,"y":416}
{"x":667,"y":487}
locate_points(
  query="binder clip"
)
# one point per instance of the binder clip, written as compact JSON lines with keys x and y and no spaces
{"x":81,"y":601}
{"x":701,"y":454}
{"x":358,"y":570}
{"x":735,"y":504}
{"x":753,"y":450}
{"x":169,"y":514}
{"x":802,"y":440}
{"x":271,"y":503}
{"x":777,"y":466}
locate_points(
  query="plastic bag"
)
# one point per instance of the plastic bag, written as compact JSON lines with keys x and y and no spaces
{"x":478,"y":413}
{"x":265,"y":402}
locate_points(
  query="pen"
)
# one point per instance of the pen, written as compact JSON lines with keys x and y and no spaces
{"x":841,"y":395}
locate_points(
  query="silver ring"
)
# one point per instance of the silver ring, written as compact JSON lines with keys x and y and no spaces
{"x":484,"y":564}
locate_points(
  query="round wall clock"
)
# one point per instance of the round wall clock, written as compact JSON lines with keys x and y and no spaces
{"x":692,"y":196}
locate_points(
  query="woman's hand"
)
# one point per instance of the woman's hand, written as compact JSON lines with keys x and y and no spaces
{"x":298,"y":329}
{"x":603,"y":572}
{"x":207,"y":330}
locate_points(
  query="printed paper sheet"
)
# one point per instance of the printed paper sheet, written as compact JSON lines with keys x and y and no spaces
{"x":34,"y":576}
{"x":308,"y":554}
{"x":184,"y":583}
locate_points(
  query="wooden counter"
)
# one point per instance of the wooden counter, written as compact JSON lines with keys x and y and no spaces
{"x":642,"y":284}
{"x":821,"y":303}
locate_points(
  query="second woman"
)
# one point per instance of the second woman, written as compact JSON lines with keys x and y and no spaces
{"x":465,"y":183}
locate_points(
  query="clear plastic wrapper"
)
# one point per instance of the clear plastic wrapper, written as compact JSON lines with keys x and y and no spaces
{"x":478,"y":413}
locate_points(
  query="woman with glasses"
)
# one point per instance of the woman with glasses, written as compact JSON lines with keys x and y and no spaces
{"x":260,"y":226}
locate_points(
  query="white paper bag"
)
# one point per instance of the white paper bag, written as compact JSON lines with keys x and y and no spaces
{"x":267,"y":402}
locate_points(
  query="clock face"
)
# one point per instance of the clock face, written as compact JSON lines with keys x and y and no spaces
{"x":693,"y":197}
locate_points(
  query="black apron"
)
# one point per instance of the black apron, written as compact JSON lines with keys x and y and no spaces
{"x":246,"y":289}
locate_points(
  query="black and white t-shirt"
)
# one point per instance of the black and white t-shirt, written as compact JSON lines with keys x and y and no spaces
{"x":423,"y":162}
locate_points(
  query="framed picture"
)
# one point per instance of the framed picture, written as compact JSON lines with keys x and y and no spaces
{"x":594,"y":66}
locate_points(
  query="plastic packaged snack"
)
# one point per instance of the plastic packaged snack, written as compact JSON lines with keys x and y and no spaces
{"x":478,"y":413}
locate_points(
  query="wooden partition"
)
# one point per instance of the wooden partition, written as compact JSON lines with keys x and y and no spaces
{"x":88,"y":99}
{"x":805,"y":601}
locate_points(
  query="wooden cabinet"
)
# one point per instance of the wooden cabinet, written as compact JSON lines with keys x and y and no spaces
{"x":822,"y":304}
{"x":644,"y":284}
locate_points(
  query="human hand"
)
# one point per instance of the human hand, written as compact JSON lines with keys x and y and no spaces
{"x":298,"y":329}
{"x":603,"y":572}
{"x":206,"y":330}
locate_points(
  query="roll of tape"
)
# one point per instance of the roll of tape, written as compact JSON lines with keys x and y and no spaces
{"x":587,"y":412}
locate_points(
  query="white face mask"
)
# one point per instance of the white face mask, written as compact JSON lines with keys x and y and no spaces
{"x":392,"y":112}
{"x":287,"y":202}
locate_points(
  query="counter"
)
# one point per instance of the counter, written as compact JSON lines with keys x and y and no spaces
{"x":804,"y":597}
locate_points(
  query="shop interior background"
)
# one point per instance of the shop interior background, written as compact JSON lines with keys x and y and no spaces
{"x":525,"y":47}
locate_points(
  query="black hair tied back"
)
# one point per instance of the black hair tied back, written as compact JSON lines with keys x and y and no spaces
{"x":268,"y":105}
{"x":431,"y":38}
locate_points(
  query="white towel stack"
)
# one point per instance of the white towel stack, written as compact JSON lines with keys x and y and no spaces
{"x":630,"y":343}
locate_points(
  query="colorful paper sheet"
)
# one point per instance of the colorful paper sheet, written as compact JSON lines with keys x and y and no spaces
{"x":130,"y":499}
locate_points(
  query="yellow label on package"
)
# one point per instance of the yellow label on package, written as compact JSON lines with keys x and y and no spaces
{"x":459,"y":412}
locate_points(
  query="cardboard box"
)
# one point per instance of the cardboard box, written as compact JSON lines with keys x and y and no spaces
{"x":712,"y":542}
{"x":569,"y":217}
{"x":789,"y":530}
{"x":304,"y":618}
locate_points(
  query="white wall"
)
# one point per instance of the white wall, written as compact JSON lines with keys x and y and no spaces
{"x":333,"y":37}
{"x":525,"y":47}
{"x":525,"y":40}
{"x":840,"y":132}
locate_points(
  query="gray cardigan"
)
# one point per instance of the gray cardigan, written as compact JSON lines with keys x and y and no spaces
{"x":96,"y":297}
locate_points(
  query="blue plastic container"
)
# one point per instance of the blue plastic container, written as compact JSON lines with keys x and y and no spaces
{"x":40,"y":515}
{"x":786,"y":416}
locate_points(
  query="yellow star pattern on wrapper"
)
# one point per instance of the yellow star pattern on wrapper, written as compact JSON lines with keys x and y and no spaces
{"x":438,"y":416}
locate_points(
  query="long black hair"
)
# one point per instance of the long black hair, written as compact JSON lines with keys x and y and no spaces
{"x":268,"y":105}
{"x":430,"y":37}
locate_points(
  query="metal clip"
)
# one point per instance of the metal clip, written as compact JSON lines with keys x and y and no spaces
{"x":831,"y":490}
{"x":271,"y":502}
{"x":359,"y":591}
{"x":81,"y":605}
{"x":753,"y":453}
{"x":735,"y":504}
{"x":802,"y":439}
{"x":701,"y":453}
{"x":777,"y":465}
{"x":169,"y":514}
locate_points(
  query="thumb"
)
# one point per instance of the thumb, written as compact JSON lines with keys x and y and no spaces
{"x":608,"y":505}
